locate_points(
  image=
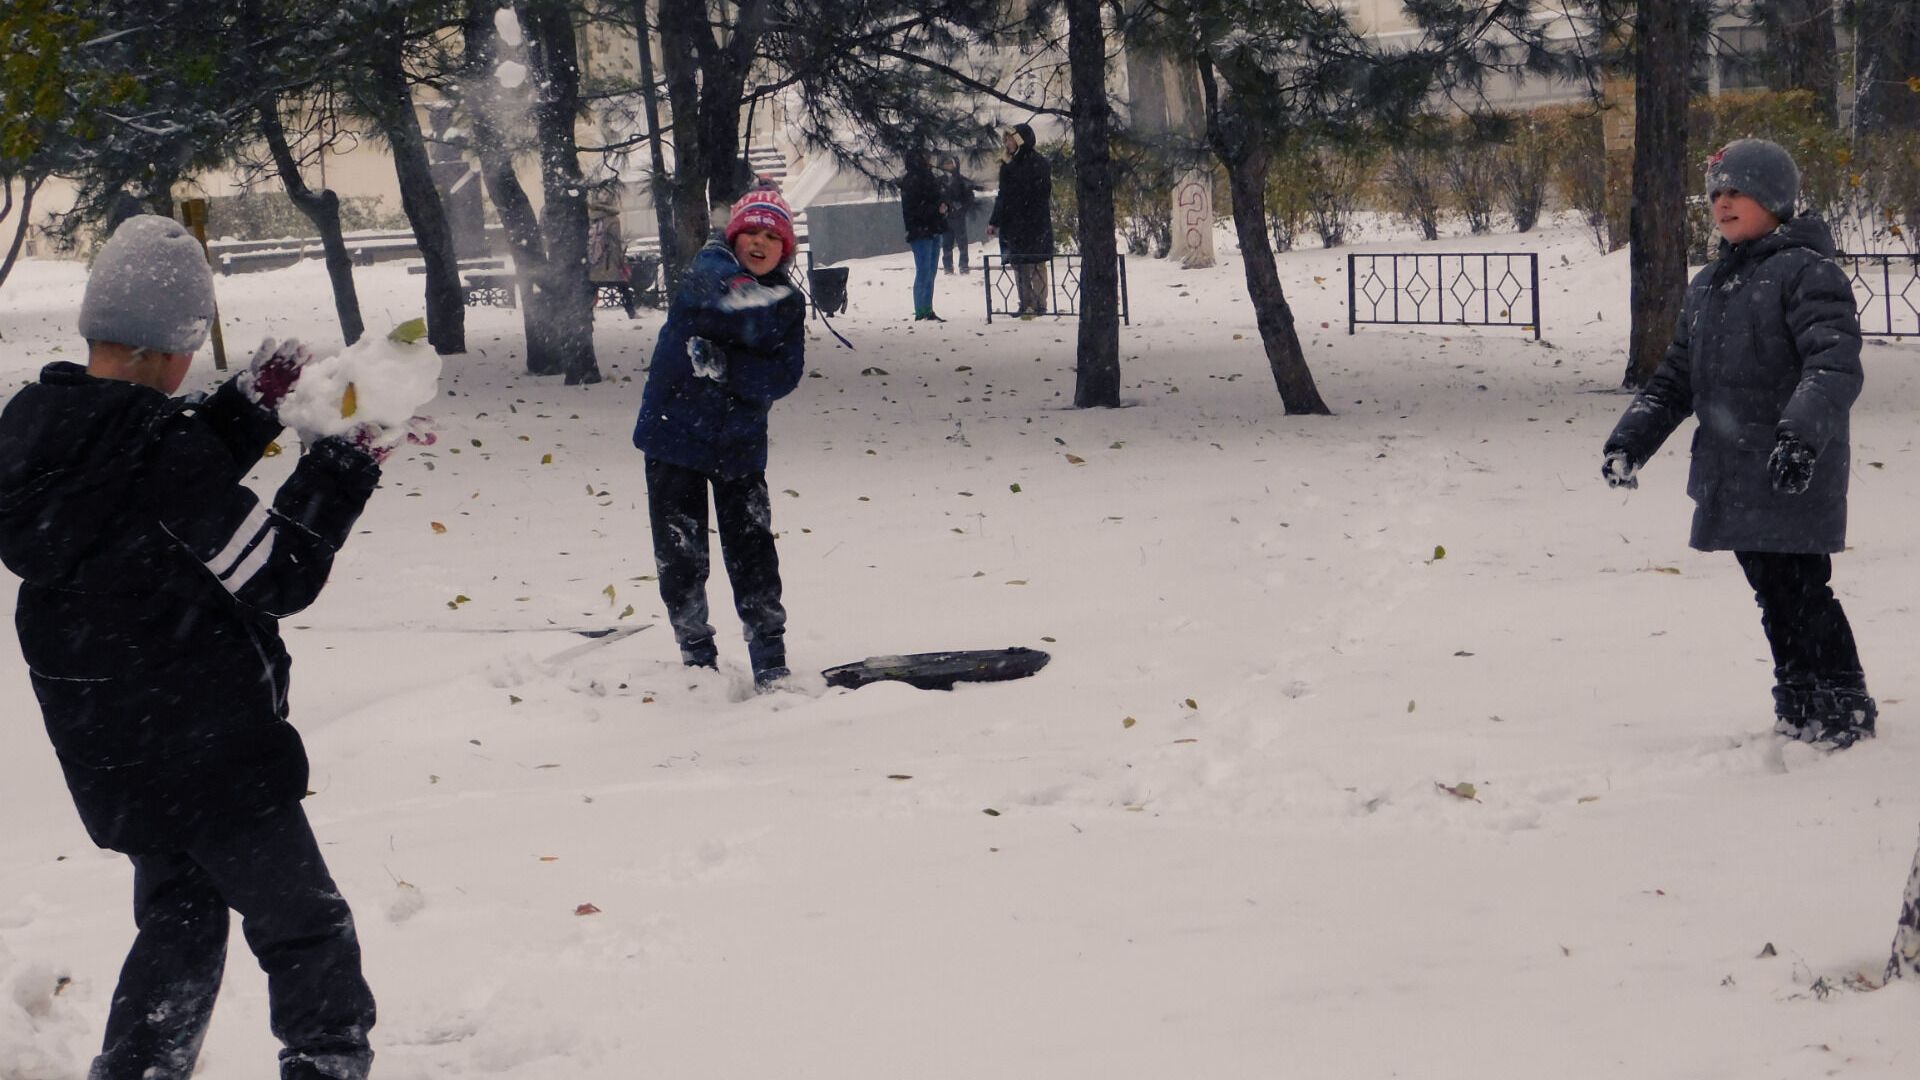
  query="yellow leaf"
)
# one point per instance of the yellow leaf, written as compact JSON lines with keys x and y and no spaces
{"x":1075,"y":459}
{"x":273,"y":450}
{"x":608,"y":593}
{"x":1439,"y":552}
{"x":549,"y":858}
{"x":546,"y":459}
{"x":1913,"y":83}
{"x":1462,"y":790}
{"x":349,"y":401}
{"x":1192,"y":704}
{"x":409,"y":332}
{"x":627,"y":612}
{"x":436,"y":526}
{"x":1128,"y":722}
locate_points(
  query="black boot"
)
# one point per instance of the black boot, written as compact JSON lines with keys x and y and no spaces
{"x":1792,"y":709}
{"x":1842,"y":713}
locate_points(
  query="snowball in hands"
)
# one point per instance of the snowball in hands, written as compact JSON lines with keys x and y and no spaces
{"x":390,"y":380}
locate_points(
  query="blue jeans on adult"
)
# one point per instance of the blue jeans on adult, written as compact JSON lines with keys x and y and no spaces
{"x":926,"y":262}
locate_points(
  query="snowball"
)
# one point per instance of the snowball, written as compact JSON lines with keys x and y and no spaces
{"x":506,"y":23}
{"x":510,"y":73}
{"x":390,"y":381}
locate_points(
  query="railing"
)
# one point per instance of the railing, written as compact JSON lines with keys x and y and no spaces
{"x":1887,"y":296}
{"x":1054,"y":277}
{"x":1446,"y":289}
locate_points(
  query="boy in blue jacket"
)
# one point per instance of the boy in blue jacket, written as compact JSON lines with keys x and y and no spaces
{"x":734,"y":343}
{"x":1767,"y":356}
{"x":152,"y":584}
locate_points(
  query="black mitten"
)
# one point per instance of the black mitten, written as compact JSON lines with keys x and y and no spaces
{"x":1790,"y":465}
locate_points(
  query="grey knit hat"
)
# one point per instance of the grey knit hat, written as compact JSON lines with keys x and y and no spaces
{"x":1758,"y":168}
{"x":150,"y":288}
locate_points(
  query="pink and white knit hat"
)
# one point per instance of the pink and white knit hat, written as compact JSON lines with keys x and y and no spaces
{"x":763,"y":208}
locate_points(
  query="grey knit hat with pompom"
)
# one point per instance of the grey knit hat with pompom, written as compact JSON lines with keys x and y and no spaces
{"x":150,"y":288}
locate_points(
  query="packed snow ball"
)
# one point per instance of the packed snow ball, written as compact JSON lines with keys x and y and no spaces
{"x":390,"y":380}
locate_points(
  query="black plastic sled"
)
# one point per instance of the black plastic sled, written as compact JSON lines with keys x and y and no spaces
{"x":940,"y":670}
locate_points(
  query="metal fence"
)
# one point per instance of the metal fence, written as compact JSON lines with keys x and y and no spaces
{"x":1446,"y":289}
{"x":1887,"y":288}
{"x":1054,"y":277}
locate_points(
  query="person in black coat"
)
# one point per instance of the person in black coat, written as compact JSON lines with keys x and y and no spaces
{"x":957,"y":194}
{"x":733,"y":344}
{"x":924,"y":211}
{"x":1023,"y":218}
{"x":152,"y":583}
{"x":1767,"y":356}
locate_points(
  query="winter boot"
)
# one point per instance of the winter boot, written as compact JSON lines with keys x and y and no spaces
{"x":1792,"y":709}
{"x":1841,"y":716}
{"x":702,"y":653}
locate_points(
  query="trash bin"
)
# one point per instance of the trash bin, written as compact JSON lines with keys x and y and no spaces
{"x":828,"y":284}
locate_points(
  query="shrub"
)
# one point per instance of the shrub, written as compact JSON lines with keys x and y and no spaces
{"x":1522,"y":168}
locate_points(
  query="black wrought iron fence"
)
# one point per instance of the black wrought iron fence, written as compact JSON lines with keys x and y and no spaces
{"x":1051,"y":285}
{"x":1444,"y":289}
{"x":1887,"y":288}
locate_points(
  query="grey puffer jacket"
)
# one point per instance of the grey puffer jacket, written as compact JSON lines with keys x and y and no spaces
{"x":1768,"y":343}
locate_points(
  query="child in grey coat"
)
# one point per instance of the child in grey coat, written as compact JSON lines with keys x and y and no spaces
{"x":1767,"y":357}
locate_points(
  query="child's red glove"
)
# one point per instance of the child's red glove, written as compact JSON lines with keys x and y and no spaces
{"x":274,"y":369}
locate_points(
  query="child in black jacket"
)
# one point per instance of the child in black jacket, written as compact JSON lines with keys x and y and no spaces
{"x":1767,"y":356}
{"x":152,"y":582}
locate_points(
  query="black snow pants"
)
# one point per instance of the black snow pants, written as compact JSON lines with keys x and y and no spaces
{"x":677,"y":506}
{"x":269,"y":870}
{"x":1811,"y":639}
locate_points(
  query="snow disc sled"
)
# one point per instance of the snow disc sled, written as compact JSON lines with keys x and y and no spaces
{"x":940,"y":670}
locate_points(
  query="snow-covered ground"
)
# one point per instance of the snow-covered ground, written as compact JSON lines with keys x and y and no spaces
{"x":1209,"y":840}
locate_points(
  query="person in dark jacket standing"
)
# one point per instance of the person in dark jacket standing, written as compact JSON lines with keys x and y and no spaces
{"x":1023,"y":218}
{"x":957,"y":195}
{"x":152,"y":582}
{"x":1767,"y":356}
{"x":733,"y":344}
{"x":925,"y":215}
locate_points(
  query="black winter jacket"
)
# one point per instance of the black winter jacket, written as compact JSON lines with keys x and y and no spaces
{"x":920,"y":199}
{"x":1768,"y":342}
{"x":152,"y":580}
{"x":1023,"y":211}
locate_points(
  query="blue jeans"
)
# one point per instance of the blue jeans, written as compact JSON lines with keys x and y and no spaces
{"x":926,"y":262}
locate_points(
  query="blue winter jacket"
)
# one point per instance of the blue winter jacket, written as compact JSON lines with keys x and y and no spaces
{"x":717,"y":423}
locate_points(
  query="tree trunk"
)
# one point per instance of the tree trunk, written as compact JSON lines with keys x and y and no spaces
{"x":29,"y":186}
{"x":518,"y":219}
{"x":1802,"y":49}
{"x":564,"y":277}
{"x":659,"y":191}
{"x":1887,"y":35}
{"x":1238,"y":143}
{"x":1247,"y":179}
{"x":1097,"y":376}
{"x":323,"y":209}
{"x":446,"y":306}
{"x":1905,"y":960}
{"x":683,"y":23}
{"x":1657,"y":226}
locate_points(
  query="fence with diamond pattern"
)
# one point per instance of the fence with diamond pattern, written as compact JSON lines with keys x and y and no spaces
{"x":1054,"y":285}
{"x":1446,"y":289}
{"x":1887,"y":289}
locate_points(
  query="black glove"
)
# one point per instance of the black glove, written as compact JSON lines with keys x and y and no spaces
{"x":1790,"y":465}
{"x":1619,"y":470}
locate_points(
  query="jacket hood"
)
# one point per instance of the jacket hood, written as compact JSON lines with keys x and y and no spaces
{"x":1804,"y":231}
{"x":1025,"y":132}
